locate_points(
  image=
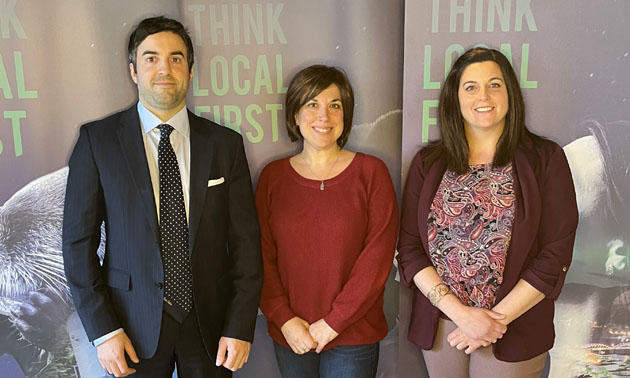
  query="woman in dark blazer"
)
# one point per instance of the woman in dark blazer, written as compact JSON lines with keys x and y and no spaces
{"x":487,"y":229}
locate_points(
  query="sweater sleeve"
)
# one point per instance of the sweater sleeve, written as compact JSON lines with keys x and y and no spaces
{"x":370,"y":271}
{"x":411,"y":257}
{"x":558,"y":223}
{"x":274,"y":302}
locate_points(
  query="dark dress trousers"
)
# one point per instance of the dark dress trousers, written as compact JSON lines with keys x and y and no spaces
{"x":109,"y":181}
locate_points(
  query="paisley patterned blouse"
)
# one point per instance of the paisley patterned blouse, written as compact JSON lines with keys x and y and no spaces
{"x":469,"y":231}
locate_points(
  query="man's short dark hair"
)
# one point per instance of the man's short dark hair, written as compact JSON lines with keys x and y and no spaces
{"x":306,"y":85}
{"x":155,"y":25}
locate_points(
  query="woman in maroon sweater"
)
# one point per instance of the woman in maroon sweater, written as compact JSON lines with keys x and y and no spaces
{"x":487,"y":229}
{"x":328,"y":220}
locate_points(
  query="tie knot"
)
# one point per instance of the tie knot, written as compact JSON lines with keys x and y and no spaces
{"x":165,"y":130}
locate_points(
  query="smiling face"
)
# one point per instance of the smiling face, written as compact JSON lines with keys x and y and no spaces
{"x":162,"y":74}
{"x":321,"y":119}
{"x":483,"y":97}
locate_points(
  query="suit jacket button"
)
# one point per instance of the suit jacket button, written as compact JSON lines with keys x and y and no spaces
{"x":159,"y":285}
{"x":564,"y":268}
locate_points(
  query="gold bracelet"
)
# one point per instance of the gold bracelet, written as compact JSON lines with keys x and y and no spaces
{"x":438,"y":292}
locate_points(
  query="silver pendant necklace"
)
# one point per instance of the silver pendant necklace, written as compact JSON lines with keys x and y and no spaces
{"x":321,"y":185}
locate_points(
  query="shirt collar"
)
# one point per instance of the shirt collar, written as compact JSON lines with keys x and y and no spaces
{"x":149,"y":121}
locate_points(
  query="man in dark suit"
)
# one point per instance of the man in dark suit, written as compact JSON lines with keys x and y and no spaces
{"x":181,"y":277}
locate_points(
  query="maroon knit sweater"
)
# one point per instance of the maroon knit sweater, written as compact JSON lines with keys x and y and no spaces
{"x":327,"y":254}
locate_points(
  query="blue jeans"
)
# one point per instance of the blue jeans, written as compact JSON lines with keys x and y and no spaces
{"x":343,"y":361}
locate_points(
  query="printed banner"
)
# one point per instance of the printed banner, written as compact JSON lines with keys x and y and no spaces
{"x":572,"y":60}
{"x":64,"y":63}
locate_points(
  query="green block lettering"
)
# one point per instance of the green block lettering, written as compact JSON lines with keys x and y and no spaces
{"x":4,"y":81}
{"x":274,"y":109}
{"x":254,"y":138}
{"x":263,"y":78}
{"x":448,"y":57}
{"x":524,"y":67}
{"x":15,"y":117}
{"x":427,"y":120}
{"x":234,"y":124}
{"x":199,"y":109}
{"x":279,"y":79}
{"x":427,"y":83}
{"x":246,"y":87}
{"x":196,"y":91}
{"x":217,"y":61}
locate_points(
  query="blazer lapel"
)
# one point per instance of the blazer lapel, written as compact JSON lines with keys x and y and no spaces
{"x":201,"y":155}
{"x":130,"y":138}
{"x":526,"y":222}
{"x":432,"y":179}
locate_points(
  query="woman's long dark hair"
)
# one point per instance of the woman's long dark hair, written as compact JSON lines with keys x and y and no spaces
{"x":453,"y":145}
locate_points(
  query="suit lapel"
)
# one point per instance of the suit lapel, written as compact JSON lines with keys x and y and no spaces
{"x":201,"y":155}
{"x":526,"y":222}
{"x":130,"y":138}
{"x":433,"y":179}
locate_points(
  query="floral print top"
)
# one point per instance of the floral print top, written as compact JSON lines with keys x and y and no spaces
{"x":469,"y":231}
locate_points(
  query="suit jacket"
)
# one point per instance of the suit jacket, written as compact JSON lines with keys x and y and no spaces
{"x":540,"y":250}
{"x":109,"y":181}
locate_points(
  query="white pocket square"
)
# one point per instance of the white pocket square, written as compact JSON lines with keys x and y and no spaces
{"x":214,"y":182}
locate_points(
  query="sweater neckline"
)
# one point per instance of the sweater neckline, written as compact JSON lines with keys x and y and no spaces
{"x":328,"y":182}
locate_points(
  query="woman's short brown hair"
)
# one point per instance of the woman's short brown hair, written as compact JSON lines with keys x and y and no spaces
{"x":310,"y":82}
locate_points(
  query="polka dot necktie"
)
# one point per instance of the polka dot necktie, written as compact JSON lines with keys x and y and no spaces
{"x":178,"y":296}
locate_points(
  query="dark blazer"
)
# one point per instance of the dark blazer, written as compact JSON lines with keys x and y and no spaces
{"x":540,"y":249}
{"x":109,"y":181}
